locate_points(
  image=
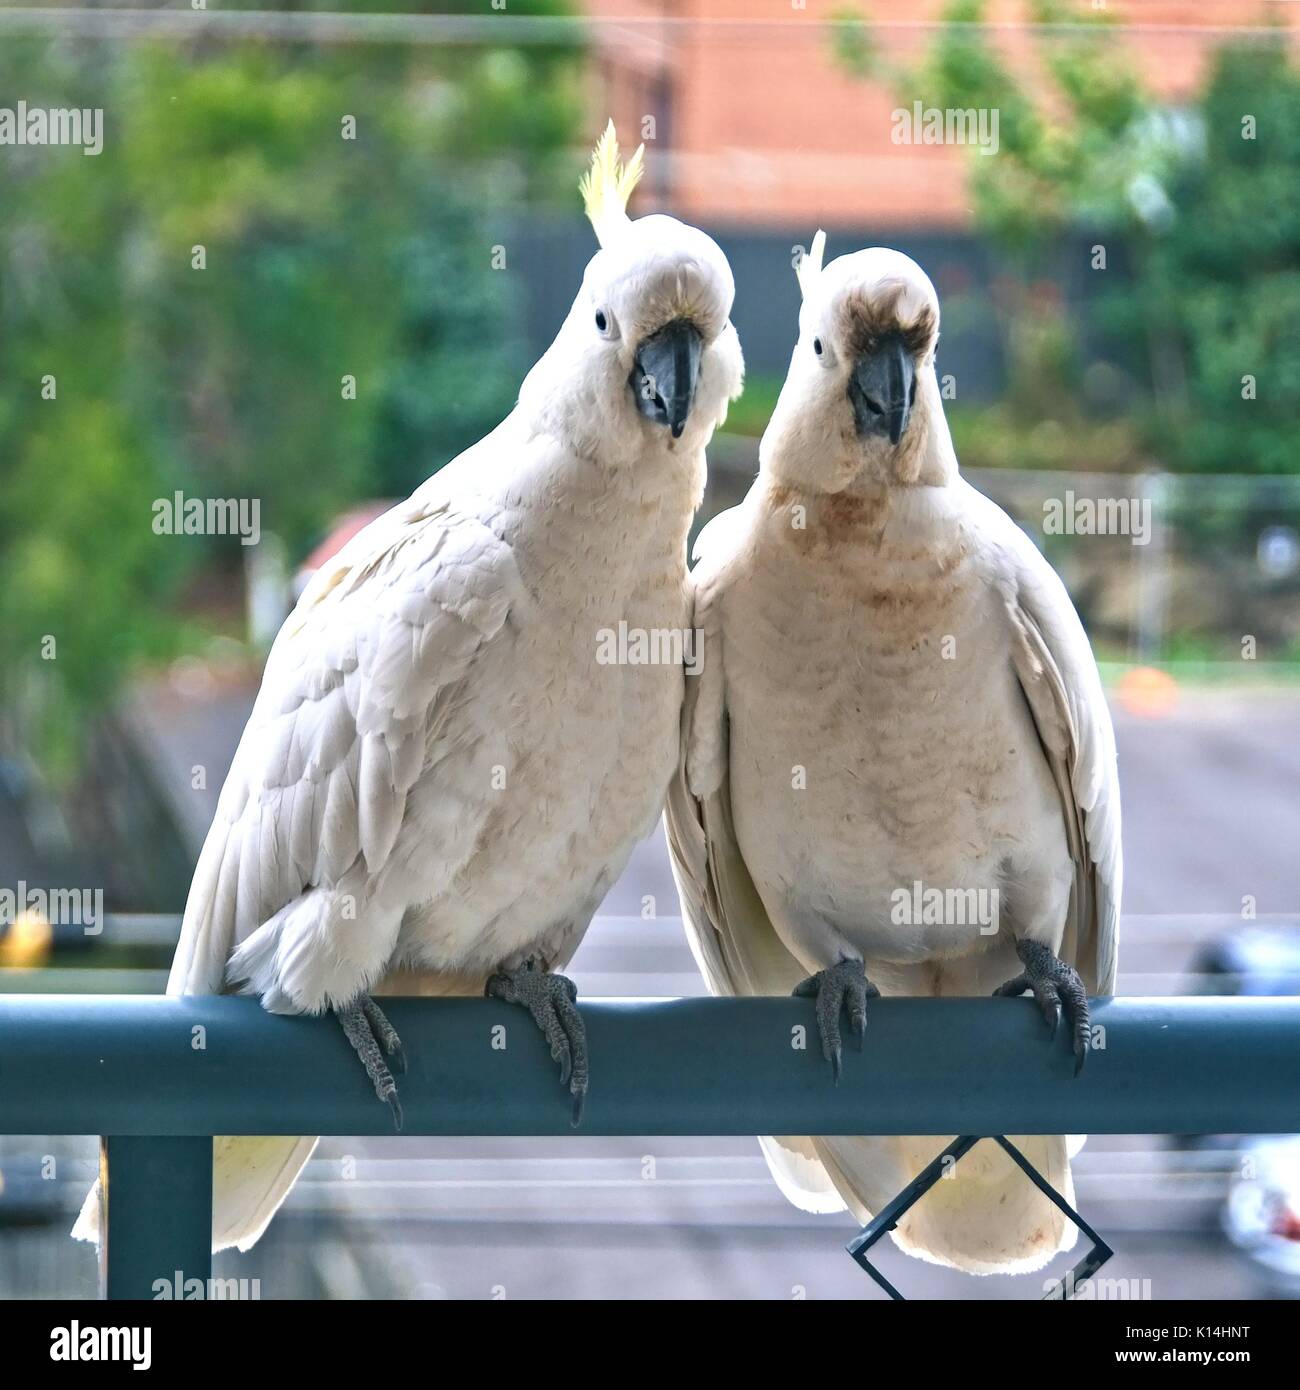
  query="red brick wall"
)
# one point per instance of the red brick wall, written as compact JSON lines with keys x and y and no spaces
{"x":764,"y":126}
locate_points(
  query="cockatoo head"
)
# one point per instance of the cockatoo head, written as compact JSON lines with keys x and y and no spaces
{"x":860,"y":400}
{"x":647,"y":354}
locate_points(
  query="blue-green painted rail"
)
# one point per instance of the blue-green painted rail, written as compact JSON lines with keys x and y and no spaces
{"x":157,"y":1076}
{"x":90,"y":1064}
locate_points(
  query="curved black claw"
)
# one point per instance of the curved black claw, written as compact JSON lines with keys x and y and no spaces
{"x":364,"y":1026}
{"x":842,"y":986}
{"x":551,"y":999}
{"x":1057,"y":988}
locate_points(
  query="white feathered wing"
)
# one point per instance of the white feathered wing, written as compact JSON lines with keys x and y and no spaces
{"x":346,"y":720}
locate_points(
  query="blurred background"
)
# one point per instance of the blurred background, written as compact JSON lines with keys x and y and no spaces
{"x":317,"y":252}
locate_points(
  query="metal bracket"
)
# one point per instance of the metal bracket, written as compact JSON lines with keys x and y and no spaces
{"x":889,"y":1216}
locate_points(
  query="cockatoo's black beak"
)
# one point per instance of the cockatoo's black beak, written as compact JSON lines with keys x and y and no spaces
{"x":883,"y":389}
{"x":665,"y":371}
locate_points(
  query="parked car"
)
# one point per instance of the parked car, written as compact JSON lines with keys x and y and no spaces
{"x":1261,"y":1214}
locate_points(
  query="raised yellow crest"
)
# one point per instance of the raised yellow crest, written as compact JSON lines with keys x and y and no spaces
{"x":809,"y":266}
{"x":607,"y":186}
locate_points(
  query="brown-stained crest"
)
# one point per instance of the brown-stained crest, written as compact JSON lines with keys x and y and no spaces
{"x":864,"y":321}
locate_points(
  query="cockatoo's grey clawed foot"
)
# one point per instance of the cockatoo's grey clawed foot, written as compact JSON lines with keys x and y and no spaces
{"x":385,"y":1033}
{"x":550,"y":999}
{"x":366,"y":1028}
{"x":843,"y":986}
{"x":1057,"y":987}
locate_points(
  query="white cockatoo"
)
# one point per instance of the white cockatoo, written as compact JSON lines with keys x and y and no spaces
{"x":896,"y":697}
{"x":441,"y":776}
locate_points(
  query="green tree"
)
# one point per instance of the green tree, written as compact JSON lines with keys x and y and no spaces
{"x":1199,"y":213}
{"x":1221,"y":276}
{"x":198,"y":291}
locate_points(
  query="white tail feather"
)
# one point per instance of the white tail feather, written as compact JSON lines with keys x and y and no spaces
{"x":800,"y":1175}
{"x":986,"y":1218}
{"x":251,"y":1176}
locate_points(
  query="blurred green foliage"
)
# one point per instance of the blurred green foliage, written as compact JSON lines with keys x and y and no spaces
{"x":325,"y":256}
{"x":749,"y":414}
{"x":1198,"y":211}
{"x":1068,"y":145}
{"x":1219,"y":279}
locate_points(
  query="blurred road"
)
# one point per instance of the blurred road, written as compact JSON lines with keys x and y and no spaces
{"x":1211,"y":797}
{"x":1211,"y":815}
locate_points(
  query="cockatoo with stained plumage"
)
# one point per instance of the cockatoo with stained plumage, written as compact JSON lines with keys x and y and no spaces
{"x":895,"y":691}
{"x":441,"y":778}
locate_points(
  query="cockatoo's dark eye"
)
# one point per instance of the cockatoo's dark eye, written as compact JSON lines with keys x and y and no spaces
{"x":817,"y":346}
{"x":602,"y":323}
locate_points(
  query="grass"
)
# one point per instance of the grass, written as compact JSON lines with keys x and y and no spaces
{"x":749,"y":415}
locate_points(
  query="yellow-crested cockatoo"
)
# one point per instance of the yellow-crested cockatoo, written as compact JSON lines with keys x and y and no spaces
{"x":441,"y":778}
